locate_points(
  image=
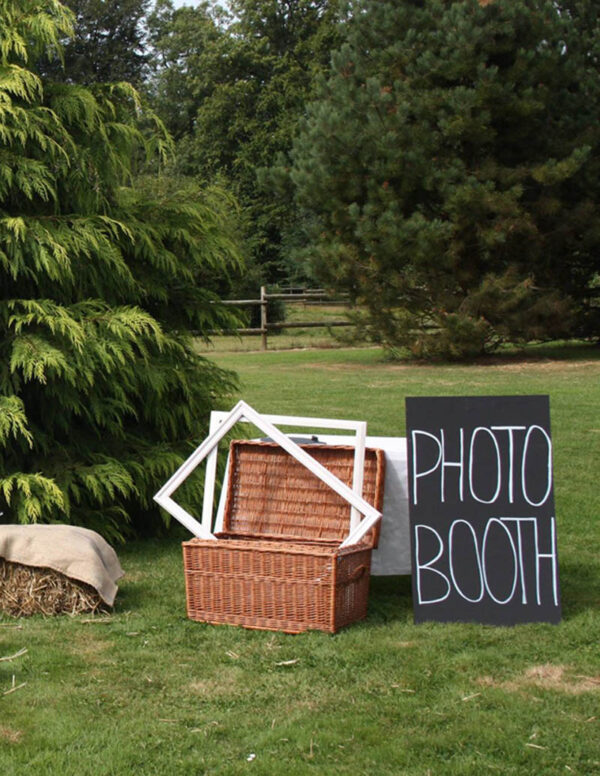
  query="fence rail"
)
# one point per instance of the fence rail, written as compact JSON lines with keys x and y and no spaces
{"x":317,"y":296}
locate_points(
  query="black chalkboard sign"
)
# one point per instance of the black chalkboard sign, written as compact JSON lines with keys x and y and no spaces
{"x":483,"y":529}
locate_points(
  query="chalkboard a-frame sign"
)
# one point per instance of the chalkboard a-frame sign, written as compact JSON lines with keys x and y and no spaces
{"x":483,"y":529}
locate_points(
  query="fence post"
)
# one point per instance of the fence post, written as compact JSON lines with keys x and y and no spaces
{"x":263,"y":318}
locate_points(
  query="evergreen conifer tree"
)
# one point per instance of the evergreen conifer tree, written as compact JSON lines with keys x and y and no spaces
{"x":231,"y":90}
{"x":108,"y":45}
{"x":101,"y":394}
{"x":449,"y":171}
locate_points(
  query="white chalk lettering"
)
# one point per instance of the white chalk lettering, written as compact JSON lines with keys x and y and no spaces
{"x":428,"y":566}
{"x":460,"y":464}
{"x":452,"y":555}
{"x":511,"y":456}
{"x":518,"y":521}
{"x":530,"y":430}
{"x":416,"y":473}
{"x":490,"y":523}
{"x":487,"y":458}
{"x":552,"y":557}
{"x":477,"y":559}
{"x":498,"y":465}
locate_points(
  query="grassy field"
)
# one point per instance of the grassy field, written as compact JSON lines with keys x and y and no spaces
{"x":145,"y":691}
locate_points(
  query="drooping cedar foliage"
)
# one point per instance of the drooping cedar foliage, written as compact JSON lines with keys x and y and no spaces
{"x":101,"y":394}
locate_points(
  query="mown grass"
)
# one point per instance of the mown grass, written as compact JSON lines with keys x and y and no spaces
{"x":145,"y":691}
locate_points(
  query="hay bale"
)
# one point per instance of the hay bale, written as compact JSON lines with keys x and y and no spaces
{"x":26,"y":590}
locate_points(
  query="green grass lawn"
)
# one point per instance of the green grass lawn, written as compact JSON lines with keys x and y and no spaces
{"x":145,"y":691}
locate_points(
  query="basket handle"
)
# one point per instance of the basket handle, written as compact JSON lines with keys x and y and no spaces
{"x":357,"y":574}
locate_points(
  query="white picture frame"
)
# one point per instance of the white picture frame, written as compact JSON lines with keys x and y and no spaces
{"x":222,"y":423}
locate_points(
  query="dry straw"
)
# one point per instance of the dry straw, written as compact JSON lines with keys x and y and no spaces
{"x":27,"y":590}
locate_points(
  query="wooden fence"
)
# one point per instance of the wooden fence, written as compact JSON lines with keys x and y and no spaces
{"x":316,"y":296}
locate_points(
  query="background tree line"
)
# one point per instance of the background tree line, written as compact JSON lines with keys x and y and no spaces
{"x":437,"y":159}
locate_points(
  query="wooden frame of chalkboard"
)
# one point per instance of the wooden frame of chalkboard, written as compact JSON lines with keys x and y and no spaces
{"x":482,"y":520}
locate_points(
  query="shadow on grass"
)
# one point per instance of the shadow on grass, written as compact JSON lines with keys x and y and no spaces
{"x":580,"y":591}
{"x":132,"y":597}
{"x":510,"y":354}
{"x":153,"y":578}
{"x":390,"y":599}
{"x":550,"y":351}
{"x":555,"y":351}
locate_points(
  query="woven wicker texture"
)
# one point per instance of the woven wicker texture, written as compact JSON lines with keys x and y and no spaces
{"x":299,"y":578}
{"x":275,"y":586}
{"x":271,"y":494}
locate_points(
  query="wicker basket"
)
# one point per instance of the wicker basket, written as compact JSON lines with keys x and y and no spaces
{"x":277,"y":564}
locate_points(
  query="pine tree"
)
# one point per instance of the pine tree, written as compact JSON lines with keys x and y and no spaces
{"x":449,"y":171}
{"x":101,"y":393}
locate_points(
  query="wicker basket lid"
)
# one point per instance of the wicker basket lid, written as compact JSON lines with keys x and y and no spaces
{"x":272,"y":495}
